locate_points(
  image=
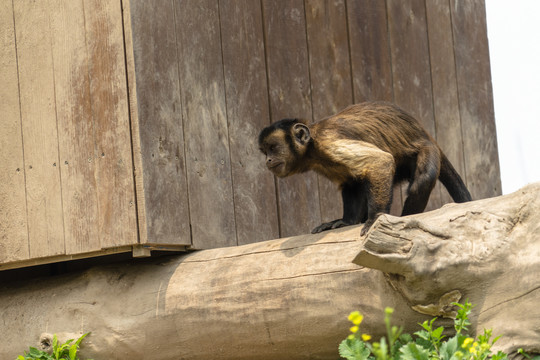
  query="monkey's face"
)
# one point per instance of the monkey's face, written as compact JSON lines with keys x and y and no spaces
{"x":284,"y":148}
{"x":278,"y":154}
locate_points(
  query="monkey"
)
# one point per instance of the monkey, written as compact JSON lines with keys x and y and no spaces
{"x":365,"y":149}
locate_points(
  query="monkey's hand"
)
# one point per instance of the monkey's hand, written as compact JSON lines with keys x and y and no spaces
{"x":330,"y":225}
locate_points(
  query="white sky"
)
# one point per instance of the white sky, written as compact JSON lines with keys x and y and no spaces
{"x":514,"y":46}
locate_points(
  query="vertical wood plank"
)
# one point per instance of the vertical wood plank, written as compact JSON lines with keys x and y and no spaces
{"x":411,"y":67}
{"x":476,"y":98}
{"x":13,"y":224}
{"x":75,"y":125}
{"x":371,"y":61}
{"x":331,"y":85}
{"x":444,"y":82}
{"x":159,"y":120}
{"x":370,"y":50}
{"x":247,"y":113}
{"x":40,"y":137}
{"x":290,"y":97}
{"x":205,"y":124}
{"x":110,"y":114}
{"x":138,"y":169}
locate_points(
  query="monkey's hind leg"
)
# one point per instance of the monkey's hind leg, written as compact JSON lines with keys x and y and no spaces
{"x":428,"y":163}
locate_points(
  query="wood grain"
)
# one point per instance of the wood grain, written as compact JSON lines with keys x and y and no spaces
{"x":330,"y":74}
{"x":110,"y":114}
{"x":371,"y":60}
{"x":290,"y":97}
{"x":247,"y":113}
{"x":159,"y":119}
{"x":39,"y":128}
{"x":75,"y":126}
{"x":475,"y":98}
{"x":13,"y":222}
{"x":205,"y":124}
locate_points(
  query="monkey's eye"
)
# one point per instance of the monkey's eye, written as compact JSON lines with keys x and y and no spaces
{"x":272,"y":148}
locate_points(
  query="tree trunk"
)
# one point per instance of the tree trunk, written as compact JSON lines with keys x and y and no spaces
{"x":289,"y":298}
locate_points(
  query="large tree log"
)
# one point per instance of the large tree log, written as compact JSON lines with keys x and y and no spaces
{"x":289,"y":298}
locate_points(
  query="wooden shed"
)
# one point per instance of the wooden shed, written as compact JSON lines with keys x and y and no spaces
{"x":131,"y":125}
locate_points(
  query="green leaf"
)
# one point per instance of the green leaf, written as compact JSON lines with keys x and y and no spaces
{"x":449,"y":348}
{"x":437,"y":333}
{"x":422,"y":334}
{"x":500,"y":356}
{"x":413,"y":351}
{"x":353,"y":349}
{"x":78,"y":342}
{"x":73,"y":352}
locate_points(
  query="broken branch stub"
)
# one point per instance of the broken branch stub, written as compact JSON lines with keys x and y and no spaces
{"x":486,"y":251}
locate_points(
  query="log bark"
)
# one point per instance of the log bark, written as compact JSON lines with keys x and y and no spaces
{"x":289,"y":298}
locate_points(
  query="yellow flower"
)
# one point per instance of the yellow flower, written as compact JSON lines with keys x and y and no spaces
{"x":467,"y":342}
{"x":366,"y":337}
{"x":350,"y":337}
{"x":354,"y":329}
{"x":356,"y":318}
{"x":389,"y":310}
{"x":472,"y":350}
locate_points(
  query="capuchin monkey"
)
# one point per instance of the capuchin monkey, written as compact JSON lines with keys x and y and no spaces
{"x":365,"y":149}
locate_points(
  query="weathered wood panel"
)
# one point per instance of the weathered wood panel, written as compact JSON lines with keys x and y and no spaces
{"x":13,"y":226}
{"x":160,"y":133}
{"x":330,"y":75}
{"x":205,"y":124}
{"x":444,"y":83}
{"x":40,"y":137}
{"x":475,"y":98}
{"x":75,"y":126}
{"x":246,"y":87}
{"x":371,"y":62}
{"x":411,"y":67}
{"x":110,"y":114}
{"x":290,"y":97}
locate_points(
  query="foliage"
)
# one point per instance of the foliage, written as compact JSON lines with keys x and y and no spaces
{"x":427,"y":344}
{"x":66,"y":351}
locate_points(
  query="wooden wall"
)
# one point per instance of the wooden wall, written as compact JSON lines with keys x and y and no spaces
{"x":66,"y":173}
{"x":133,"y":122}
{"x":216,"y":72}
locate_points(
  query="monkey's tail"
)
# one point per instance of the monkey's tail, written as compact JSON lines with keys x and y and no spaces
{"x":453,"y":182}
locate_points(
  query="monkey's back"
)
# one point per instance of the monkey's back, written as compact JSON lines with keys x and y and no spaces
{"x":382,"y":124}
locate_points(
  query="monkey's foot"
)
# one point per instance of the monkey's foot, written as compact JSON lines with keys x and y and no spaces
{"x":366,"y":227}
{"x":330,"y":225}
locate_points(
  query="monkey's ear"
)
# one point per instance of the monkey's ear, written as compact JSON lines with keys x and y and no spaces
{"x":301,"y":133}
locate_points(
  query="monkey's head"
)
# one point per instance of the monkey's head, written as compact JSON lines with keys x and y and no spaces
{"x":285,"y":144}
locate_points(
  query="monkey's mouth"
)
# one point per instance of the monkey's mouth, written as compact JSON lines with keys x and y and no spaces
{"x":277,"y":169}
{"x":274,"y":166}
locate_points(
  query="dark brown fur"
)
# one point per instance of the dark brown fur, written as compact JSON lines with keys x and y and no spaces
{"x":365,"y":149}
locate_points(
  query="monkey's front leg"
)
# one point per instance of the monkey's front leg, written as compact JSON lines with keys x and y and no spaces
{"x":353,"y":194}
